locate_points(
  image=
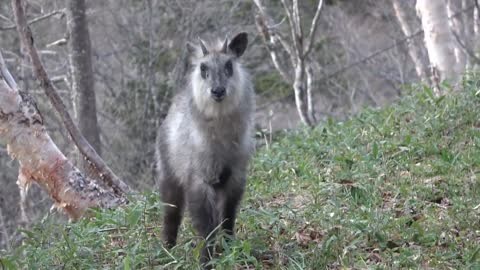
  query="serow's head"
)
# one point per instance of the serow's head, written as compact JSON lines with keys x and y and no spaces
{"x":218,"y":79}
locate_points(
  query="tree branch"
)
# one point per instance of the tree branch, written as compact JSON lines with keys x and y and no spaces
{"x":286,"y":47}
{"x":5,"y":18}
{"x":105,"y":173}
{"x":38,"y":19}
{"x":299,"y":28}
{"x":313,"y":29}
{"x":293,"y":28}
{"x":6,"y":74}
{"x":465,"y":48}
{"x":270,"y":40}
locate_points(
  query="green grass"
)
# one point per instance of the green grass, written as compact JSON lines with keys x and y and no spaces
{"x":396,"y":188}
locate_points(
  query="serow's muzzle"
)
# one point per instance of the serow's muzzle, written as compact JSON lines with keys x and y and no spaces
{"x":218,"y":93}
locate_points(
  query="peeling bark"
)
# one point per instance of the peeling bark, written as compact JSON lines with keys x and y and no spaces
{"x":23,"y":131}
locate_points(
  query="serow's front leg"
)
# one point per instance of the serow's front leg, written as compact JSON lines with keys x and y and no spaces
{"x":205,"y":216}
{"x":172,"y":195}
{"x":232,"y":202}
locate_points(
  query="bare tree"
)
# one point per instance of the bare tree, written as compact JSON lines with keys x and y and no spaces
{"x":82,"y":74}
{"x":297,"y":49}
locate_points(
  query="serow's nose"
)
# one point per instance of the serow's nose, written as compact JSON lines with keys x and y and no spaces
{"x":218,"y":93}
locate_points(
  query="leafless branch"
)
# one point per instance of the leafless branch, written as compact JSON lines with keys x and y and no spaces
{"x":465,"y":48}
{"x":38,"y":19}
{"x":5,"y":18}
{"x":293,"y":28}
{"x":6,"y":74}
{"x":313,"y":29}
{"x":269,"y":41}
{"x":105,"y":173}
{"x":296,"y":16}
{"x":60,"y":42}
{"x":286,"y":47}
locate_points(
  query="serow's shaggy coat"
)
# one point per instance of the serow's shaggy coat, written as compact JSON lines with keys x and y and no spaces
{"x":205,"y":143}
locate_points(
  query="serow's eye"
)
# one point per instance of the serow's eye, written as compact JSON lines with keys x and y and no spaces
{"x":229,"y":69}
{"x":204,"y":71}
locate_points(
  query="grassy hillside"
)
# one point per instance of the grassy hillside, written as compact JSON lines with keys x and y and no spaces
{"x":392,"y":188}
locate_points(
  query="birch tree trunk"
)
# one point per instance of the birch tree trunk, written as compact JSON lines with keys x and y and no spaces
{"x":23,"y":131}
{"x":82,"y":73}
{"x":300,"y":93}
{"x":413,"y":48}
{"x":438,"y":39}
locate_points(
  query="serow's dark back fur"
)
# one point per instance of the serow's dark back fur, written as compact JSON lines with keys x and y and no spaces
{"x":205,"y":143}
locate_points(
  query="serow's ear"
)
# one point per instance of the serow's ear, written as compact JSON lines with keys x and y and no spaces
{"x":203,"y":47}
{"x":238,"y":44}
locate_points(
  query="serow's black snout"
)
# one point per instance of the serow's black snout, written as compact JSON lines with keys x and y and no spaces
{"x":218,"y":93}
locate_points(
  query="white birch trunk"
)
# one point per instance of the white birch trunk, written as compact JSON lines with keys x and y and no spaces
{"x":300,"y":94}
{"x":439,"y":40}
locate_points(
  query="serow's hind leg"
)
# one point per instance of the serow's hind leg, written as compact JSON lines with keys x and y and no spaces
{"x":173,"y":197}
